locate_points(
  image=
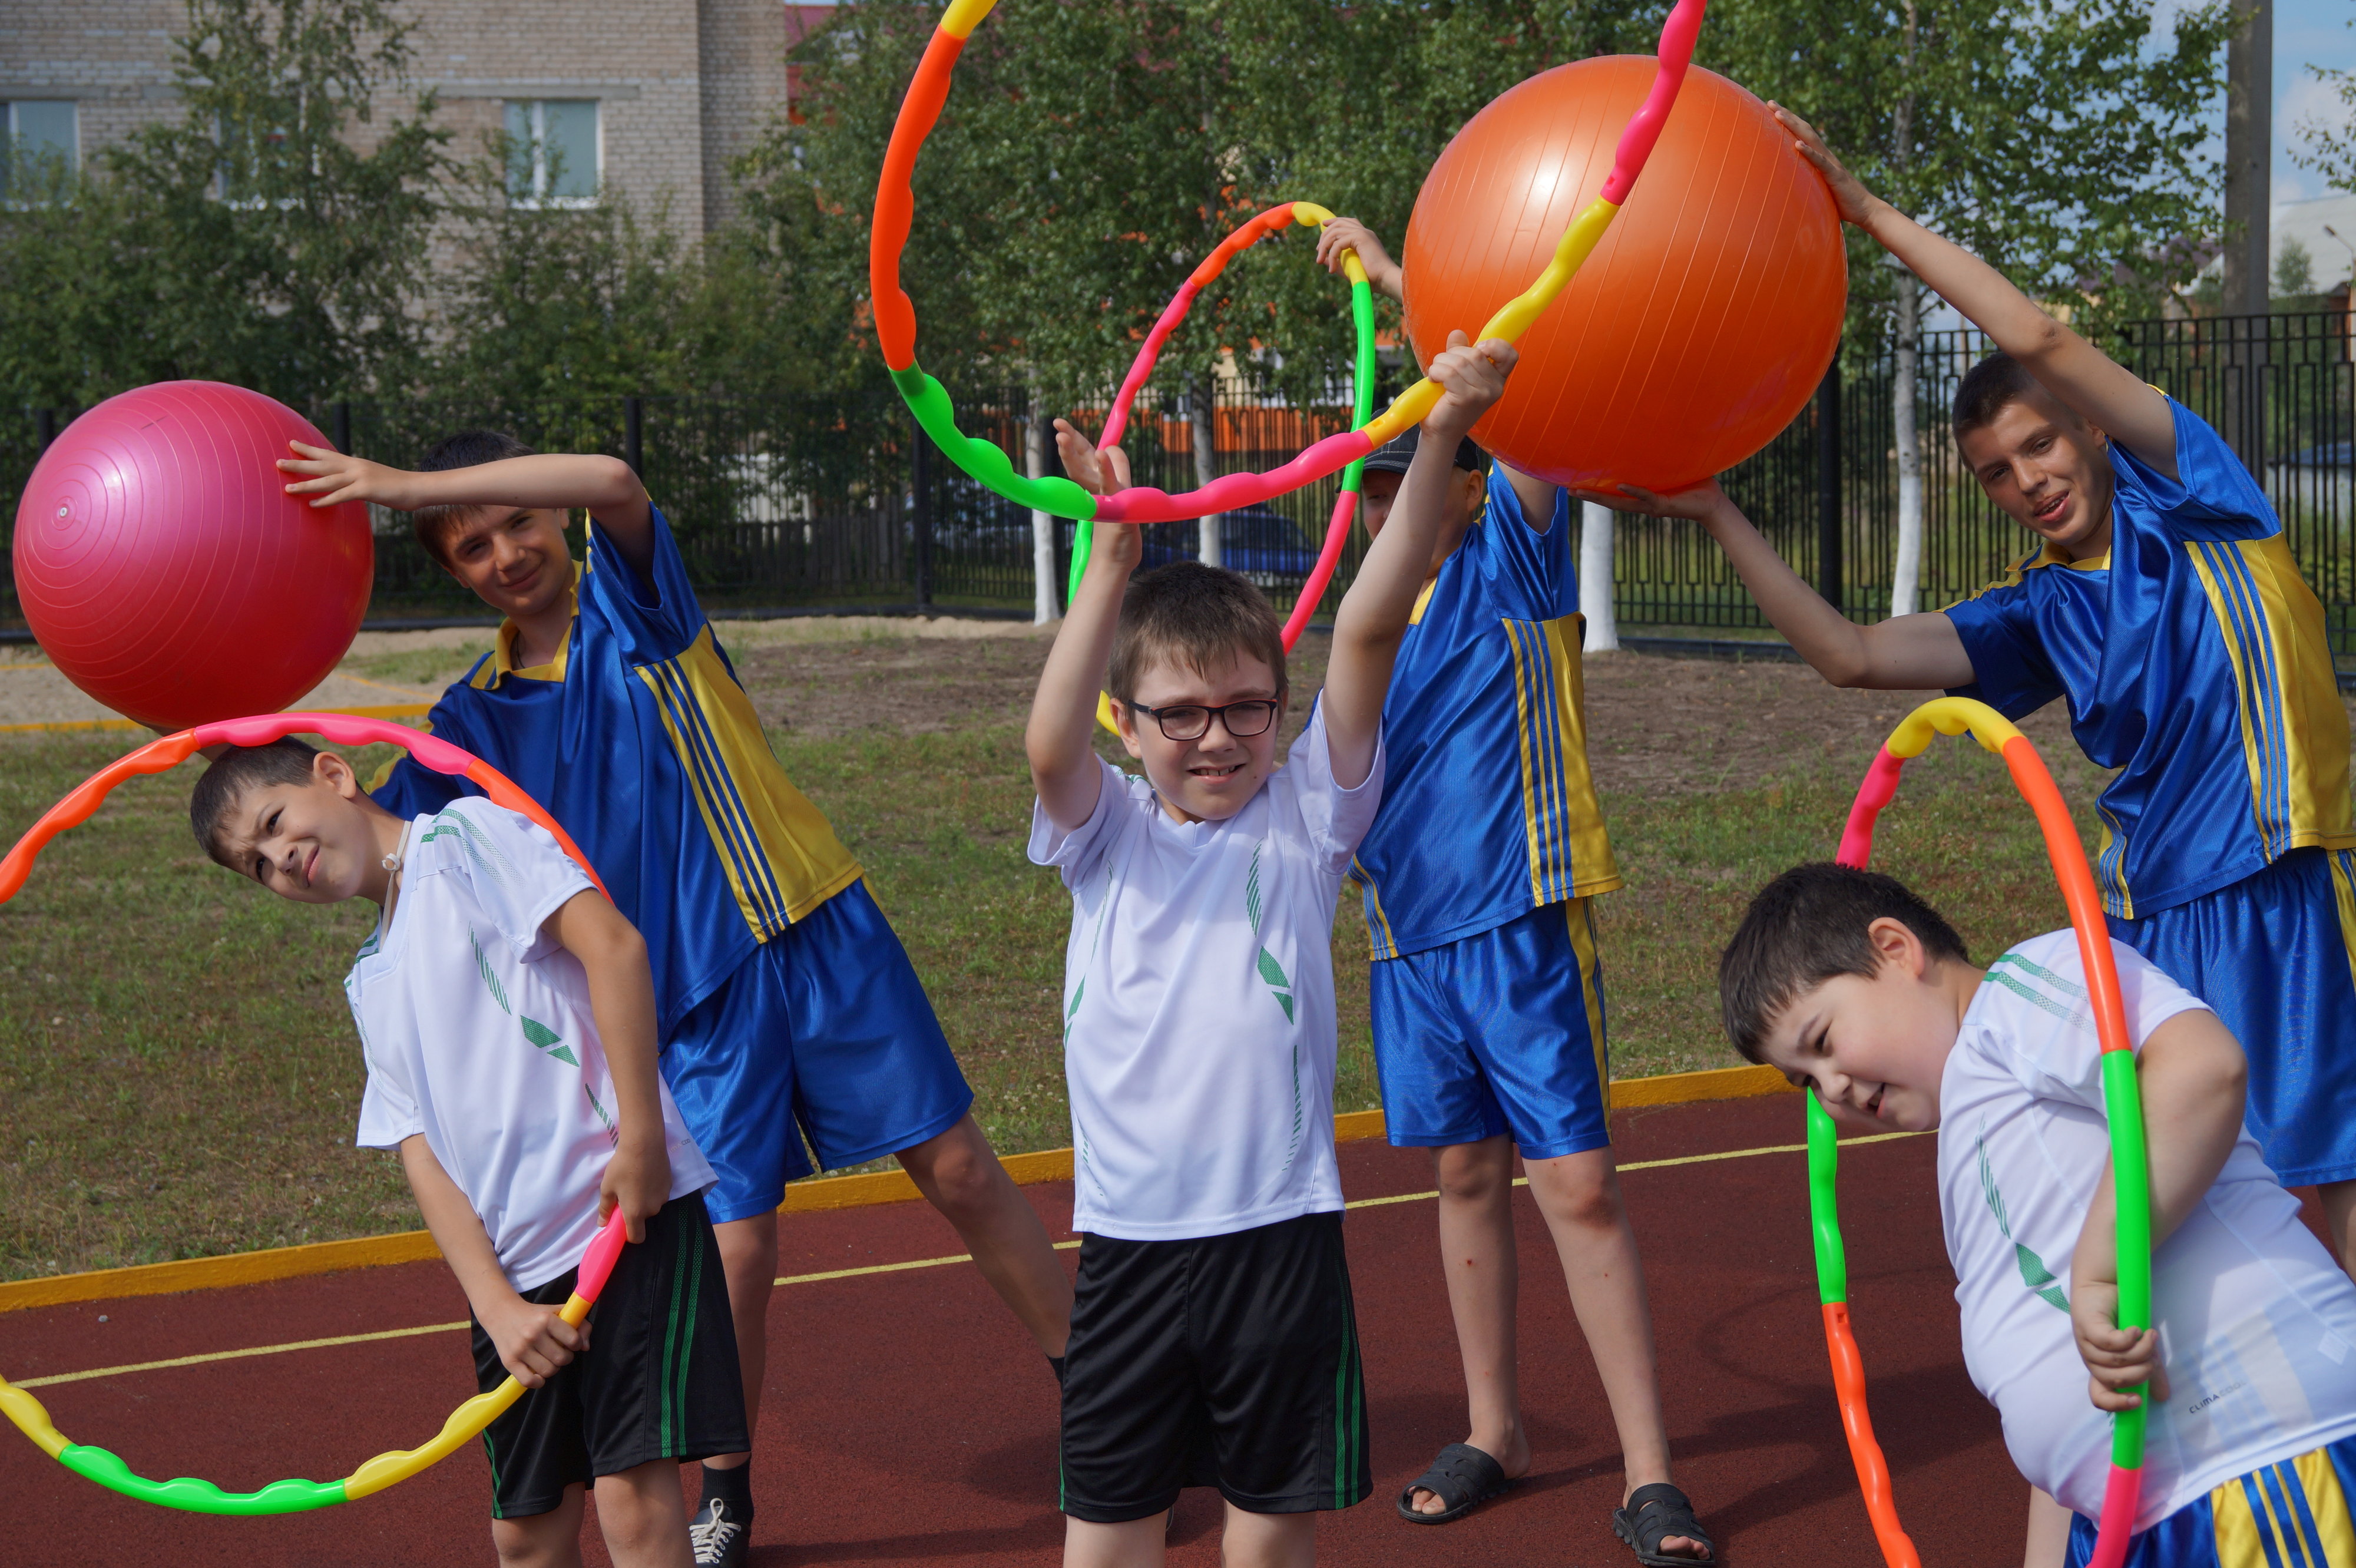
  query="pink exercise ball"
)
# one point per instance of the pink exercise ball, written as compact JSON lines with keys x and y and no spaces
{"x":163,"y":566}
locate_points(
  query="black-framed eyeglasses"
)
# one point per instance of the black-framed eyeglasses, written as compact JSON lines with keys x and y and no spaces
{"x":1186,"y":721}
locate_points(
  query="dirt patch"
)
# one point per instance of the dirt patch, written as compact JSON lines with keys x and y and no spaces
{"x":1698,"y":725}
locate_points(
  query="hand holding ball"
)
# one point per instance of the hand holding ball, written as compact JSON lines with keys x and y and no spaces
{"x":163,"y":566}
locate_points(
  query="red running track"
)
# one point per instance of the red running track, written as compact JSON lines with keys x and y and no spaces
{"x":908,"y":1421}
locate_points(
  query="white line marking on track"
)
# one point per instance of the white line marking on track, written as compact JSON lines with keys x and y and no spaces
{"x":855,"y":1273}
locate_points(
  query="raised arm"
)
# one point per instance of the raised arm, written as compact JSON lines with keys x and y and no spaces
{"x":1349,"y":234}
{"x":1063,"y":767}
{"x":1906,"y":653}
{"x":2097,"y":388}
{"x":1373,"y":616}
{"x":2194,"y":1078}
{"x":622,"y":1000}
{"x":559,"y":481}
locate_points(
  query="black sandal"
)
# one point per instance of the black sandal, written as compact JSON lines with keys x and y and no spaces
{"x":1654,"y":1513}
{"x":1463,"y":1477}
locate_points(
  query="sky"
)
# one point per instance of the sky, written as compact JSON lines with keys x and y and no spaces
{"x":2307,"y":32}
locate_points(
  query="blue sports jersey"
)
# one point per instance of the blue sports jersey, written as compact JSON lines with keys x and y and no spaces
{"x":641,"y":742}
{"x":1488,"y":809}
{"x":2194,"y":659}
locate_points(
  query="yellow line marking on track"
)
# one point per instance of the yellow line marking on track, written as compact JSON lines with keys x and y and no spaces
{"x":381,"y":686}
{"x":236,"y":1355}
{"x":27,"y":666}
{"x":861,"y":1272}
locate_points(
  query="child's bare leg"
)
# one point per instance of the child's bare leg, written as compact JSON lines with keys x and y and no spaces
{"x":1477,"y":1247}
{"x":1267,"y":1539}
{"x":1139,"y":1544}
{"x":960,"y":1177}
{"x":1579,"y":1195}
{"x":550,"y":1540}
{"x":748,"y":1256}
{"x":642,"y":1516}
{"x":2340,"y":1217}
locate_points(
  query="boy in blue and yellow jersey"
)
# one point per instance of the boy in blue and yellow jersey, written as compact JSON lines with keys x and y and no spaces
{"x":2163,"y":604}
{"x":786,"y":1005}
{"x":1479,"y":875}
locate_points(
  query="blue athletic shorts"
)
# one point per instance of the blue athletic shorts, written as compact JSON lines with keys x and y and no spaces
{"x":2272,"y":953}
{"x":825,"y":1034}
{"x":2293,"y":1514}
{"x":1500,"y":1032}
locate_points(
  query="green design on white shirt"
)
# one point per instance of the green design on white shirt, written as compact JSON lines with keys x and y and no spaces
{"x":2034,"y":1276}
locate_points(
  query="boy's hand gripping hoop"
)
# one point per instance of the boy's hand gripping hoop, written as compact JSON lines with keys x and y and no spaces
{"x":185,"y":1492}
{"x":2130,"y":1166}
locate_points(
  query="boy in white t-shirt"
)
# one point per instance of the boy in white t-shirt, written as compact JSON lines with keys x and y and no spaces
{"x":1213,"y":1337}
{"x":506,"y":1012}
{"x":1854,"y":987}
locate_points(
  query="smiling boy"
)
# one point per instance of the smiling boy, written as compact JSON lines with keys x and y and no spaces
{"x":788,"y":1007}
{"x":507,"y":1015}
{"x":1855,"y":988}
{"x":2163,"y":604}
{"x":1213,"y":1340}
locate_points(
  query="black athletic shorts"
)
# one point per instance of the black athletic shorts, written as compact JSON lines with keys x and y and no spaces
{"x":1227,"y":1361}
{"x":659,"y":1379}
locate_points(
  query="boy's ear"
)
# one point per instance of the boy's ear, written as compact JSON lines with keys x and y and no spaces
{"x":1894,"y":942}
{"x":1124,"y":719}
{"x":331,"y":768}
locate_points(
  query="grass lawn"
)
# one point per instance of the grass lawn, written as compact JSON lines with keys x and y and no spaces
{"x":178,"y":1075}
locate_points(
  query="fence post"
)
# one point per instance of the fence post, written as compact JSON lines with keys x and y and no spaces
{"x":341,"y":418}
{"x":1828,"y":487}
{"x":1829,"y":566}
{"x":922,"y":486}
{"x":45,"y":429}
{"x":634,"y":434}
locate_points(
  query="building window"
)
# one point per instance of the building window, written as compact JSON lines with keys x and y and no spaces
{"x":39,"y":141}
{"x":552,"y":151}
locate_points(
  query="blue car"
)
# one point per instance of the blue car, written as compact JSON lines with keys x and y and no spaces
{"x":1266,"y":546}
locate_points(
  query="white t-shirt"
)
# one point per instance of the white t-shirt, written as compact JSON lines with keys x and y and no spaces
{"x":1198,"y":1000}
{"x":2257,"y":1328}
{"x":478,"y":1033}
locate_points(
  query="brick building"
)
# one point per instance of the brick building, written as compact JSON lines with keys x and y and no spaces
{"x":652,"y":98}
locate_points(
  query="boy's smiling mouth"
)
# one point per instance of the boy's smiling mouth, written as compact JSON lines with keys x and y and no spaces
{"x":2051,"y":510}
{"x":1223,"y":770}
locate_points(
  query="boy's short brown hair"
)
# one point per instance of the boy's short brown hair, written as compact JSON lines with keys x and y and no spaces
{"x":1987,"y":389}
{"x":1193,"y":616}
{"x":237,"y":773}
{"x":1807,"y":926}
{"x":467,"y":450}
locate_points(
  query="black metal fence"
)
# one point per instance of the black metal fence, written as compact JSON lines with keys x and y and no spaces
{"x":792,"y":502}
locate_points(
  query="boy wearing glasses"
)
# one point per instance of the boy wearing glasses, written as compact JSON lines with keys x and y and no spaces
{"x":1213,"y":1338}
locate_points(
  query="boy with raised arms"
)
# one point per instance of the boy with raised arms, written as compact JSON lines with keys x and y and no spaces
{"x":786,"y":1005}
{"x":2163,"y":604}
{"x":1213,"y":1340}
{"x":1855,"y":988}
{"x":1481,"y":874}
{"x":507,"y":1015}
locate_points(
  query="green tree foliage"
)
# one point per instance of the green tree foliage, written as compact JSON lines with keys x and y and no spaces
{"x":275,"y":234}
{"x":2063,"y":143}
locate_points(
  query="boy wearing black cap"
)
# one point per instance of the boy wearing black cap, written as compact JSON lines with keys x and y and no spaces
{"x":1478,"y":873}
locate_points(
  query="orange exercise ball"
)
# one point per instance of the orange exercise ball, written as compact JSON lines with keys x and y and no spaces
{"x":1703,"y":320}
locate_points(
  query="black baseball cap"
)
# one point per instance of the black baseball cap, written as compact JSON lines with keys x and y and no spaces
{"x":1394,"y":456}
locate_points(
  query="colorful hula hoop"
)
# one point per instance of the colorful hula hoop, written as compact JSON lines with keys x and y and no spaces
{"x":895,"y":313}
{"x":187,"y":1493}
{"x":1362,"y":388}
{"x":1957,"y":716}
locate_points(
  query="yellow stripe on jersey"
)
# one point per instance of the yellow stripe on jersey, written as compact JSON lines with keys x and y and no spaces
{"x":780,"y":854}
{"x":1378,"y":929}
{"x":1580,"y":915}
{"x":2289,"y":1515}
{"x":2343,"y":895}
{"x":1570,"y":856}
{"x":2293,"y":727}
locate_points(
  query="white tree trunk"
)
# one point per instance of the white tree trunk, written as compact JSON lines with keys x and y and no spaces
{"x":1206,"y":463}
{"x":1905,"y":582}
{"x":1595,"y":581}
{"x":1042,"y":526}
